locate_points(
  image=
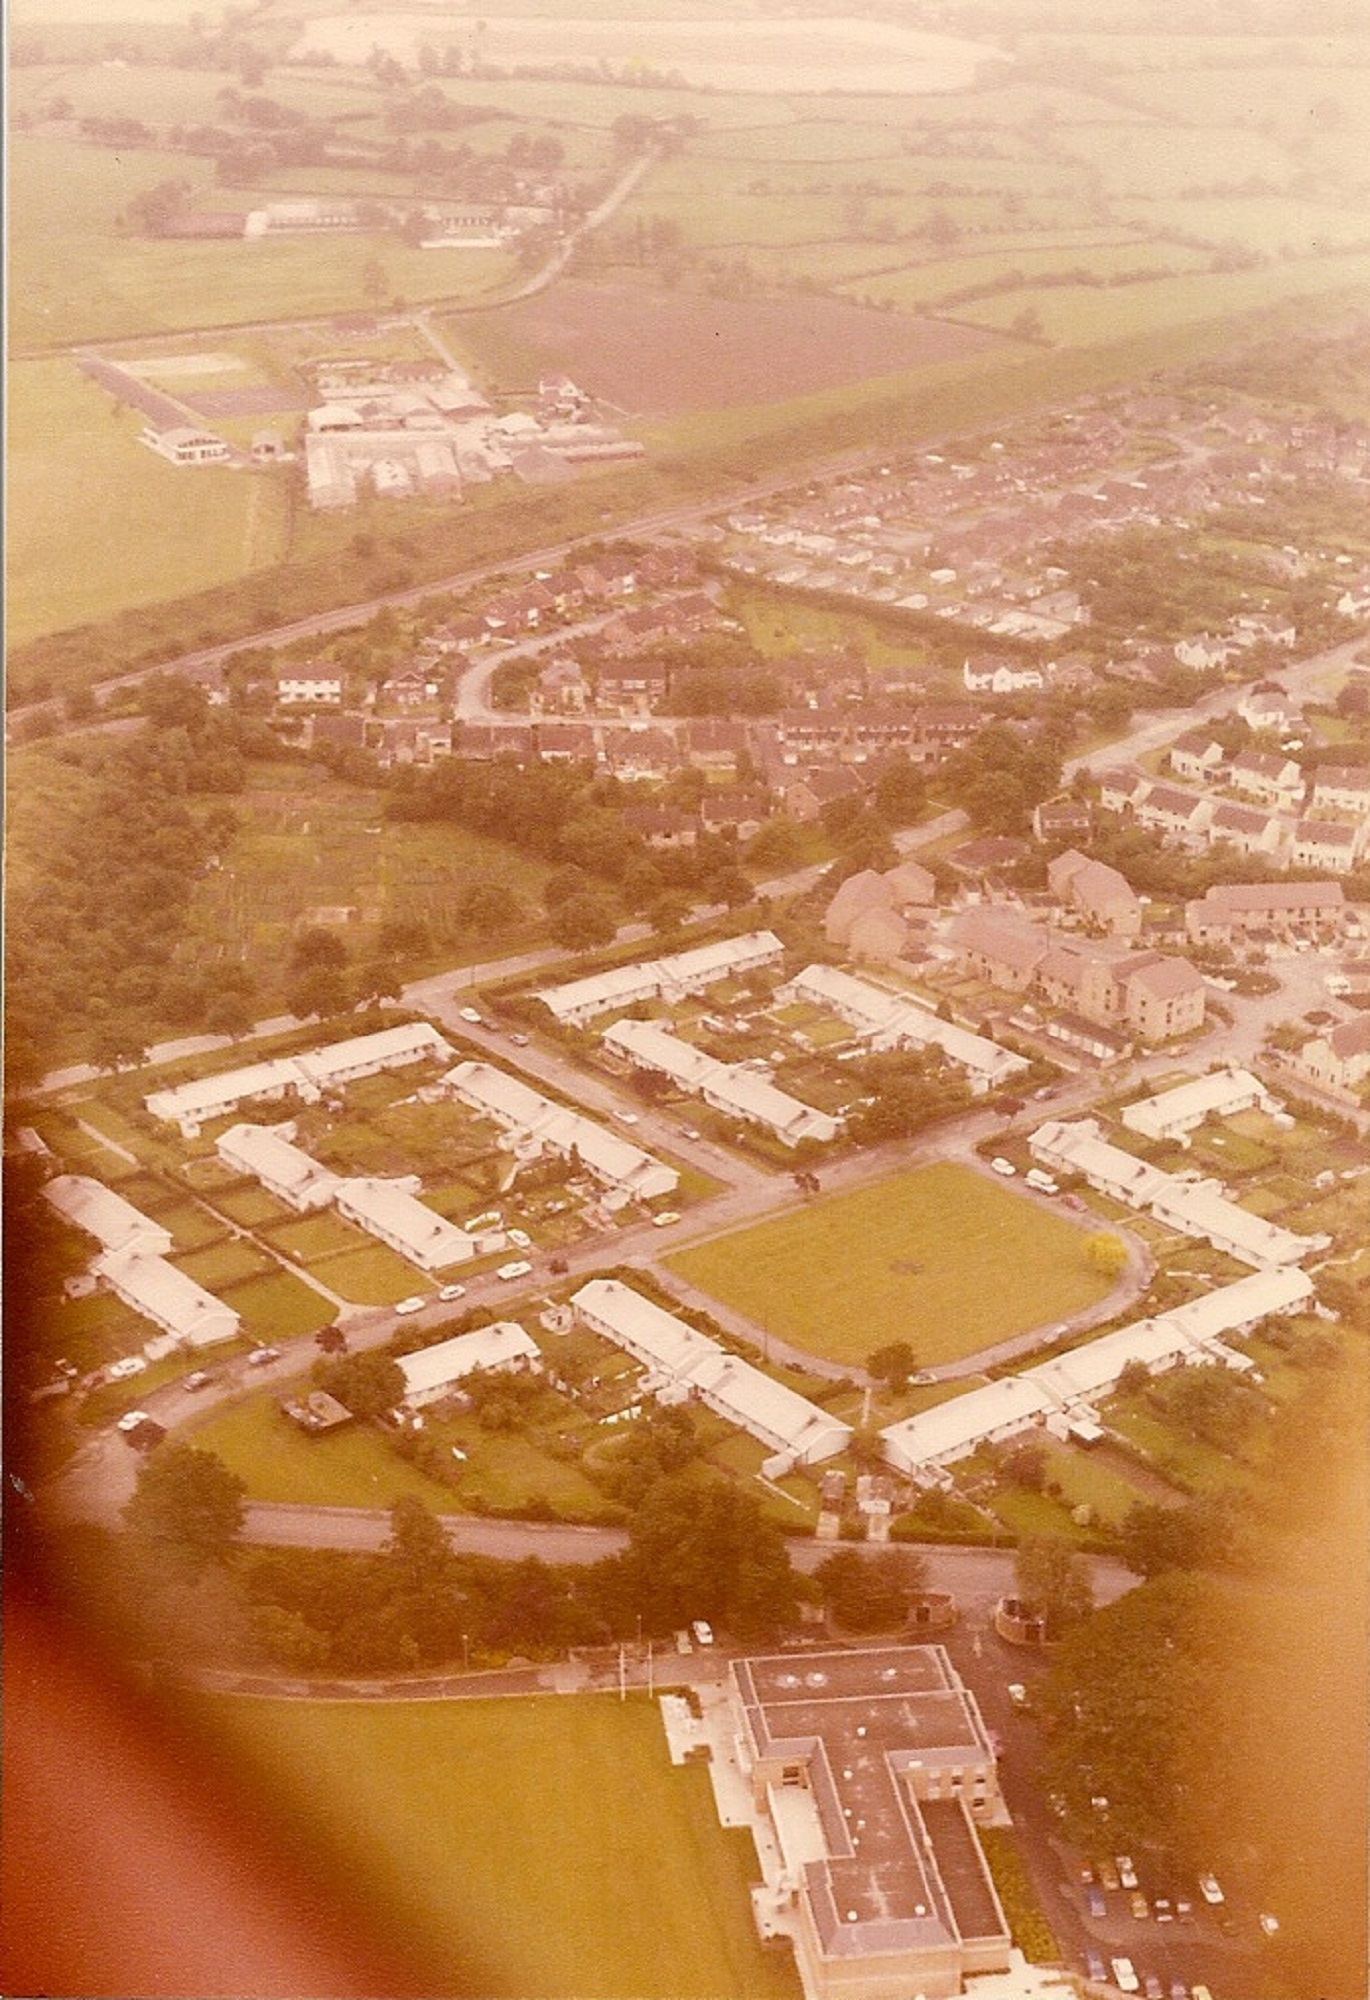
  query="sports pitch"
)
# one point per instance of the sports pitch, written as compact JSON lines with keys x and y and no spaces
{"x":941,"y":1257}
{"x":533,"y":1846}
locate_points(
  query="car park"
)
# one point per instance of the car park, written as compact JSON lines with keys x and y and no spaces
{"x":1124,"y":1977}
{"x":411,"y":1305}
{"x":519,"y":1268}
{"x":260,"y":1356}
{"x":449,"y":1292}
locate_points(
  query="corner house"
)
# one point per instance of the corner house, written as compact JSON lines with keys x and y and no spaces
{"x":874,"y":1770}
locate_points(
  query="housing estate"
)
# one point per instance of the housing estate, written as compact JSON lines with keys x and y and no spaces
{"x":888,"y":1020}
{"x":433,"y":1372}
{"x":1155,"y":995}
{"x":1174,"y":1114}
{"x":1229,"y":912}
{"x":391,"y":1211}
{"x":192,"y":1105}
{"x":1060,"y":1395}
{"x":1338,"y":1059}
{"x":133,"y":1262}
{"x":874,"y":1769}
{"x":1193,"y":1206}
{"x":683,"y":1364}
{"x":670,"y":979}
{"x":268,"y":1153}
{"x":534,"y":1125}
{"x":731,"y":1088}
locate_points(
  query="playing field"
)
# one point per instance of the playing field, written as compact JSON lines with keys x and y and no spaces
{"x":942,"y":1257}
{"x":520,"y":1847}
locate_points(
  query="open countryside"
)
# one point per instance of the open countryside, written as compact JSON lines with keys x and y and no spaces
{"x":939,"y":1257}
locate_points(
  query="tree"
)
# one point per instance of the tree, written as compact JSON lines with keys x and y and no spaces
{"x":1205,"y":1534}
{"x":668,"y":911}
{"x":367,"y":1384}
{"x":870,"y":1593}
{"x":319,"y":989}
{"x":585,"y":921}
{"x":704,"y":1549}
{"x":1107,"y":1254}
{"x":187,"y":1505}
{"x":318,"y":946}
{"x":228,"y":1014}
{"x":892,"y":1364}
{"x":1053,"y":1583}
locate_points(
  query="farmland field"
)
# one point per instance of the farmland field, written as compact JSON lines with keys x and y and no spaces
{"x":660,"y":352}
{"x":91,"y":510}
{"x":941,"y":1257}
{"x":544,"y":1846}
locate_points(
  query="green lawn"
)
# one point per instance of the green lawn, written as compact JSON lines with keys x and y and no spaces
{"x":542,"y":1846}
{"x":372,"y":1276}
{"x":941,"y":1257}
{"x":279,"y":1307}
{"x":349,"y":1468}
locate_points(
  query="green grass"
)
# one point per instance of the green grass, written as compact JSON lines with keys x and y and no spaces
{"x":371,"y":1276}
{"x":543,"y":1846}
{"x":231,"y":1262}
{"x":251,"y":1206}
{"x":940,"y":1257}
{"x":100,"y":524}
{"x":311,"y":1237}
{"x":279,"y":1307}
{"x":347,"y":1468}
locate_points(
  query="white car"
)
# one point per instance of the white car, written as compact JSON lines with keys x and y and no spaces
{"x":470,"y":1014}
{"x":1209,"y":1889}
{"x":119,"y":1371}
{"x":1017,"y":1694}
{"x":1002,"y":1166}
{"x":1270,"y":1925}
{"x":520,"y":1268}
{"x":412,"y":1305}
{"x":131,"y":1420}
{"x":450,"y":1292}
{"x":703,"y":1632}
{"x":261,"y":1356}
{"x":666,"y":1218}
{"x":520,"y":1238}
{"x":1124,"y":1977}
{"x":1127,"y":1873}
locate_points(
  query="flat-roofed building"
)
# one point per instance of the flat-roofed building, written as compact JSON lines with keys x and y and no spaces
{"x":1077,"y":1146}
{"x":269,"y":1155}
{"x":188,"y":1314}
{"x":432,"y":1372}
{"x":873,"y":1770}
{"x":1200,"y":1208}
{"x":391,"y":1211}
{"x":673,"y":978}
{"x":728,"y":1087}
{"x":1174,"y":1114}
{"x":193,"y":1104}
{"x":96,"y":1210}
{"x":535,"y":1125}
{"x":890,"y":1020}
{"x":367,"y":1055}
{"x":682,"y":1362}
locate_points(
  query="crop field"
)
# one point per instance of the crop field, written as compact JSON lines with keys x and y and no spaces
{"x":91,"y":511}
{"x":941,"y":1257}
{"x":521,"y":1847}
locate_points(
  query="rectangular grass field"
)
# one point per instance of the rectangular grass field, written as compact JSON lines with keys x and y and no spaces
{"x":536,"y":1846}
{"x":942,"y":1257}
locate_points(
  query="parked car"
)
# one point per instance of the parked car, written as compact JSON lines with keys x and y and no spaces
{"x":1139,"y":1905}
{"x":131,"y":1420}
{"x":1124,"y":1978}
{"x":1086,"y":1875}
{"x":470,"y":1014}
{"x":519,"y":1041}
{"x":199,"y":1378}
{"x":1095,"y":1969}
{"x":1152,"y":1987}
{"x":1270,"y":1925}
{"x":449,"y":1292}
{"x":260,"y":1356}
{"x":666,"y":1218}
{"x":1178,"y":1990}
{"x":520,"y":1237}
{"x":520,"y":1268}
{"x":703,"y":1632}
{"x":1106,"y":1873}
{"x":412,"y":1305}
{"x":1162,"y":1909}
{"x":1127,"y":1874}
{"x":1095,"y":1904}
{"x":1002,"y":1166}
{"x":1017,"y":1694}
{"x":690,"y":1131}
{"x":1210,"y":1889}
{"x":120,"y":1371}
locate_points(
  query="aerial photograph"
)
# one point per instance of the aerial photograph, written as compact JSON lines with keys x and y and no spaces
{"x":686,"y":1207}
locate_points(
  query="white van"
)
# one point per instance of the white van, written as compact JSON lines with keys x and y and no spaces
{"x":1042,"y":1181}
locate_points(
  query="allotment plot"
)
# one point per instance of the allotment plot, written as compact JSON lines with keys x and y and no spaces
{"x":941,"y":1257}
